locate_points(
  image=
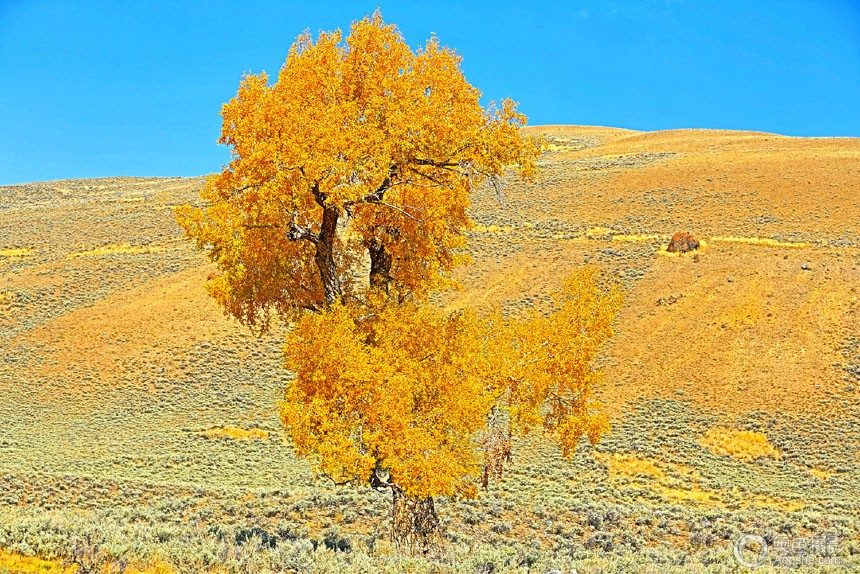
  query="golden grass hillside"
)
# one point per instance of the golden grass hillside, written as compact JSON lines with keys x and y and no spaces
{"x":134,"y":410}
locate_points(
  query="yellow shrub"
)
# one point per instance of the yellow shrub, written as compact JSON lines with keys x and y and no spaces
{"x":14,"y":252}
{"x":18,"y":564}
{"x":234,"y":432}
{"x":742,"y":445}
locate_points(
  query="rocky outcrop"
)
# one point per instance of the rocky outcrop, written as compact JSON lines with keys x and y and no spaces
{"x":682,"y":242}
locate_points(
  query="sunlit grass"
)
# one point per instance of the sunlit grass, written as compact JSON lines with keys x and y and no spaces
{"x":642,"y":237}
{"x":158,"y":567}
{"x":235,"y":433}
{"x":493,"y":229}
{"x":598,"y":231}
{"x":119,"y":249}
{"x":556,"y":147}
{"x":820,"y":474}
{"x":630,"y":466}
{"x":739,"y":444}
{"x":15,"y":252}
{"x":18,"y":564}
{"x":759,"y":241}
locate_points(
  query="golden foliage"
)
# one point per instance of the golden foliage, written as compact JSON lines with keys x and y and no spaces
{"x":408,"y":389}
{"x":742,"y":445}
{"x":359,"y":132}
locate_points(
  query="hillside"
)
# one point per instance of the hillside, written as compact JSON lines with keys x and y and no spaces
{"x":733,"y":381}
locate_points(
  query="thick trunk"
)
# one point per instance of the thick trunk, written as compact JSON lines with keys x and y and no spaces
{"x":324,"y":257}
{"x":380,"y":267}
{"x":414,"y":524}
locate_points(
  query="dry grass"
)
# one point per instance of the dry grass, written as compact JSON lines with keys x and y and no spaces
{"x":640,"y":237}
{"x":739,"y":444}
{"x":14,"y":563}
{"x":556,"y":147}
{"x":679,"y":483}
{"x":492,"y":229}
{"x":632,"y":466}
{"x":598,"y":231}
{"x":158,"y":567}
{"x":820,"y":474}
{"x":234,"y":433}
{"x":765,"y":241}
{"x":743,"y":329}
{"x":17,"y":252}
{"x":119,"y":249}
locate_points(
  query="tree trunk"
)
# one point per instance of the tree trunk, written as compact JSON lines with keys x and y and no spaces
{"x":380,"y":267}
{"x":324,"y":257}
{"x":414,"y":524}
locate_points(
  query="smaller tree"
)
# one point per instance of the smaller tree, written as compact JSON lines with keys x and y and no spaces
{"x":422,"y":402}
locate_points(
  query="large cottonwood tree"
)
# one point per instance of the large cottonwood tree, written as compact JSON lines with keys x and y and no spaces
{"x":362,"y":149}
{"x":343,"y":207}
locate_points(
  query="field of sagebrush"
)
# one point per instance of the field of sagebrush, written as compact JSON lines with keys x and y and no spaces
{"x":140,"y":428}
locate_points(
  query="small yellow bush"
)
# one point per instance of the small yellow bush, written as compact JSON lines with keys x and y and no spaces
{"x":15,"y":252}
{"x":742,"y":445}
{"x":19,"y":564}
{"x":234,"y":432}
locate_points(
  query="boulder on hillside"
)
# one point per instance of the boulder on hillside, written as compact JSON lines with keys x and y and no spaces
{"x":682,"y":242}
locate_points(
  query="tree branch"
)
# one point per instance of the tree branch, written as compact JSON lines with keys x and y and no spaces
{"x":430,"y":177}
{"x":336,"y":483}
{"x":434,"y":163}
{"x":383,"y":187}
{"x":319,"y":196}
{"x":394,"y":207}
{"x":297,"y":232}
{"x":377,"y":483}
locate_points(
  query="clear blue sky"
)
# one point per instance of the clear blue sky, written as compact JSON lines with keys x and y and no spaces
{"x":100,"y":88}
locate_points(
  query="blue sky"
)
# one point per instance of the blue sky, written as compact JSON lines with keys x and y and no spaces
{"x":90,"y":88}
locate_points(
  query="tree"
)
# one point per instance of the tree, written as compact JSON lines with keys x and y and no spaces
{"x":423,"y":402}
{"x":362,"y":154}
{"x":343,"y":208}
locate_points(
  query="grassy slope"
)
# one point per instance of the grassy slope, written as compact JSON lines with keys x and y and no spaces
{"x":113,"y":359}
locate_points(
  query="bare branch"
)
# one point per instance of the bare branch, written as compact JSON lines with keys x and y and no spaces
{"x":336,"y":483}
{"x":430,"y":177}
{"x":394,"y":207}
{"x":262,"y":226}
{"x":295,"y":232}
